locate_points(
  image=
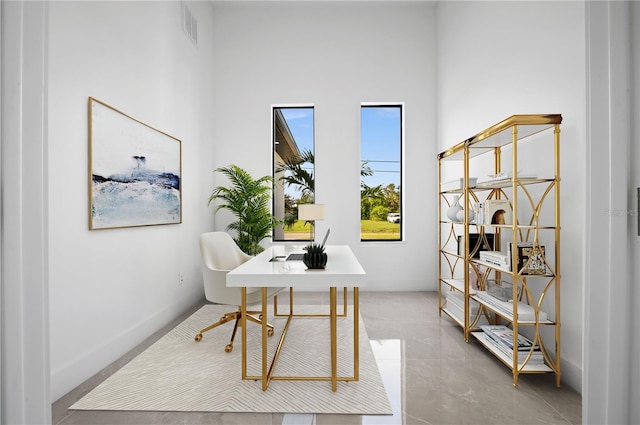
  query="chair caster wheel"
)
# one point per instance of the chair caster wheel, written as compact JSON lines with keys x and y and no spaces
{"x":270,"y":332}
{"x":228,"y":348}
{"x":198,"y":338}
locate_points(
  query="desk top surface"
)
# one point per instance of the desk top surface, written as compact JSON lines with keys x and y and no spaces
{"x":342,"y":270}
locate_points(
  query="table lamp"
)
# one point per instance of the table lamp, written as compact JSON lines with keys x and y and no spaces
{"x":311,"y":213}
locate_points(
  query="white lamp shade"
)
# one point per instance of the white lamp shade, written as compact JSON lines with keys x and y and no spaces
{"x":311,"y":212}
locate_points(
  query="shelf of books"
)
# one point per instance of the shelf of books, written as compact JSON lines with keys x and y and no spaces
{"x":499,"y":340}
{"x":526,"y":314}
{"x":499,"y":241}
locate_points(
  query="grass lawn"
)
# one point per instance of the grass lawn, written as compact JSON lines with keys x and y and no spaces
{"x":369,"y":229}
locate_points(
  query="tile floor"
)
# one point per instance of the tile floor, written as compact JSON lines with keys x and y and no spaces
{"x":432,"y":377}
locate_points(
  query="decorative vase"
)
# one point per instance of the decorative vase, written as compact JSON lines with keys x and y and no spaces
{"x":315,"y":260}
{"x":460,"y":215}
{"x":452,"y":211}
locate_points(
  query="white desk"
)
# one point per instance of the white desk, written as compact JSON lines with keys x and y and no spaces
{"x":342,"y":270}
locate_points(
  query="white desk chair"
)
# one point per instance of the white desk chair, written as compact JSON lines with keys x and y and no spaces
{"x":220,"y":254}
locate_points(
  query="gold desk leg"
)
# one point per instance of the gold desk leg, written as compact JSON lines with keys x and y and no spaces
{"x":344,"y":302}
{"x":291,"y":301}
{"x":356,"y":334}
{"x":243,"y":324}
{"x":334,"y":329}
{"x":275,"y":304}
{"x":265,"y":382}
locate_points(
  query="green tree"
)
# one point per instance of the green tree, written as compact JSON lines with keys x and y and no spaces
{"x":365,"y":171}
{"x":379,"y":213}
{"x":391,"y":197}
{"x":290,"y":212}
{"x":369,"y":196}
{"x":296,"y":175}
{"x":247,"y":199}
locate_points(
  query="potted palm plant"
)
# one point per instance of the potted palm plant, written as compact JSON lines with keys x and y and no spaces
{"x":247,"y":199}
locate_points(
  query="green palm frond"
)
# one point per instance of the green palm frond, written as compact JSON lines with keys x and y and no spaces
{"x":296,"y":175}
{"x":368,"y":192}
{"x":365,"y":169}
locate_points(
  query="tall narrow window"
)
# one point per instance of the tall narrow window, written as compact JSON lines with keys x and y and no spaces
{"x":381,"y":134}
{"x":293,"y":169}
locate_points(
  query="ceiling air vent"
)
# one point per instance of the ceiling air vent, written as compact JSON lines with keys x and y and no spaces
{"x":189,"y":24}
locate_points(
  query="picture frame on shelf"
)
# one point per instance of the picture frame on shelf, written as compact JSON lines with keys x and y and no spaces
{"x":488,"y":243}
{"x":531,"y":258}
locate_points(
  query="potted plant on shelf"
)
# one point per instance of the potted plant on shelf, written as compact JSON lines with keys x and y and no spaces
{"x":315,"y":257}
{"x":247,"y":199}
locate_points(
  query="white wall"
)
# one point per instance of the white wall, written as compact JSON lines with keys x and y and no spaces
{"x":110,"y":289}
{"x":634,"y":393}
{"x":335,"y":56}
{"x":497,"y":59}
{"x":610,"y":375}
{"x":24,"y":304}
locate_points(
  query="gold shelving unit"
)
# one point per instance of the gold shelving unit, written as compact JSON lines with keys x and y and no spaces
{"x":488,"y":167}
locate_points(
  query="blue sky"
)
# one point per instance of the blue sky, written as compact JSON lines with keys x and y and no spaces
{"x":380,"y":144}
{"x":300,"y":122}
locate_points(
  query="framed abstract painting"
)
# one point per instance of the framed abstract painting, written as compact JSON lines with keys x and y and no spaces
{"x":134,"y":171}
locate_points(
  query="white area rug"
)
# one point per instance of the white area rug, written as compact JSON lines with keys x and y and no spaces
{"x":178,"y":374}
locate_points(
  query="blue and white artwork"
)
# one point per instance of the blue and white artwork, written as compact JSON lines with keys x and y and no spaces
{"x":134,"y":169}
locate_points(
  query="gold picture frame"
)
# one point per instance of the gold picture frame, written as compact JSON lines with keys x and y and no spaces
{"x":135,"y":171}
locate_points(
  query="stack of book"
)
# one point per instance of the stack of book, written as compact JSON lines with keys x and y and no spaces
{"x":495,"y":258}
{"x":501,"y":337}
{"x":455,"y":306}
{"x":493,"y":211}
{"x":526,"y":313}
